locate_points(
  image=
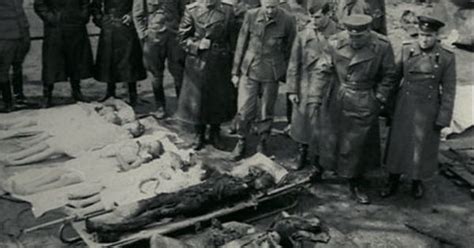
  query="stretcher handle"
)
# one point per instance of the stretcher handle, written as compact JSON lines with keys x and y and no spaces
{"x":63,"y":238}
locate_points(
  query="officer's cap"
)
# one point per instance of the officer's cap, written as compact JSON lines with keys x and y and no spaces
{"x":429,"y":23}
{"x":356,"y":24}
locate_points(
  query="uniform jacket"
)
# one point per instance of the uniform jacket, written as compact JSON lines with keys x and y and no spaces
{"x":207,"y":95}
{"x":264,"y":47}
{"x":13,"y":22}
{"x":364,"y":78}
{"x":149,"y":12}
{"x":424,"y":104}
{"x":63,"y":13}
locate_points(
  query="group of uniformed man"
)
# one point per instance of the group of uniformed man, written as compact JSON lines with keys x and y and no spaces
{"x":228,"y":59}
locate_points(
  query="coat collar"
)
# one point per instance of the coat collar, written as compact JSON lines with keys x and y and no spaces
{"x":357,"y":56}
{"x":262,"y":18}
{"x":415,"y":49}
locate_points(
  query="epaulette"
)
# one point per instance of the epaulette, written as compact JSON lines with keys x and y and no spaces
{"x":447,"y":49}
{"x":381,"y":37}
{"x":227,"y":2}
{"x":407,"y":42}
{"x":192,"y":5}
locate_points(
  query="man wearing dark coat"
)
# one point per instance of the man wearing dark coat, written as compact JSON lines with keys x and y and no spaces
{"x":67,"y":53}
{"x":157,"y":24}
{"x":207,"y":34}
{"x":14,"y":40}
{"x":260,"y":63}
{"x":424,"y":105}
{"x":363,"y":63}
{"x":303,"y":91}
{"x":119,"y":55}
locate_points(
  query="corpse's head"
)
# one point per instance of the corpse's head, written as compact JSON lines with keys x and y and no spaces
{"x":270,"y":7}
{"x":136,"y":129}
{"x":154,"y":148}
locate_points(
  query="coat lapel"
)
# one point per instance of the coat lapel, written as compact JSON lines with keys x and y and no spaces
{"x":362,"y":55}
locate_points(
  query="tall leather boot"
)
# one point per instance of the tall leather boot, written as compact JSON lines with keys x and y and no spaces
{"x":177,"y":86}
{"x":392,"y":186}
{"x":302,"y":156}
{"x":47,"y":95}
{"x":160,"y":100}
{"x":7,"y":96}
{"x":199,"y":138}
{"x":110,"y":92}
{"x":357,"y":193}
{"x":17,"y":83}
{"x":215,"y":136}
{"x":262,"y":143}
{"x":76,"y":91}
{"x":239,"y":150}
{"x":132,"y":93}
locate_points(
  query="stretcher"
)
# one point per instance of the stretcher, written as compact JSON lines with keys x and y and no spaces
{"x":168,"y":226}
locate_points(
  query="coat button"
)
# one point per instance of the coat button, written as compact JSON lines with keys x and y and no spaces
{"x":433,"y":76}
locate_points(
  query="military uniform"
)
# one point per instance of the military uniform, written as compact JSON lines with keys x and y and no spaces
{"x":261,"y":60}
{"x":14,"y":43}
{"x":424,"y":105}
{"x":157,"y":23}
{"x":208,"y":37}
{"x":67,"y":52}
{"x":365,"y":78}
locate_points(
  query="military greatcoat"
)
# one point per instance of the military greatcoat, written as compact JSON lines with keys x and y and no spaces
{"x":365,"y":77}
{"x":208,"y":37}
{"x":67,"y":52}
{"x":424,"y":105}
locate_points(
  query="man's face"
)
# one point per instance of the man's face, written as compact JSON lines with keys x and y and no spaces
{"x":359,"y":40}
{"x":427,"y":39}
{"x":319,"y":19}
{"x":270,"y":7}
{"x":209,"y":3}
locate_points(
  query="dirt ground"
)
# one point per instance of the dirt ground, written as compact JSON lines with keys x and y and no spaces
{"x":446,"y":207}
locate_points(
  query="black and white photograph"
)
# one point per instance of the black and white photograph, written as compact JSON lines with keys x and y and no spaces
{"x":237,"y":123}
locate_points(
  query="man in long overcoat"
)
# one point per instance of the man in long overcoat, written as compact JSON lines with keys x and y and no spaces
{"x":363,"y":64}
{"x":260,"y":62}
{"x":157,"y":23}
{"x":67,"y":53}
{"x":303,"y":90}
{"x":119,"y":54}
{"x":207,"y":34}
{"x":14,"y":34}
{"x":424,"y":105}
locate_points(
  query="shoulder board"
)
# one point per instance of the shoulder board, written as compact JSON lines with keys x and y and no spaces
{"x":407,"y":42}
{"x":447,"y":49}
{"x":227,"y":3}
{"x":192,"y":5}
{"x":381,"y":37}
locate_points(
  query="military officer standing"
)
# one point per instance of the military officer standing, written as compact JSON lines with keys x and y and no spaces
{"x":119,"y":54}
{"x":363,"y":64}
{"x":424,"y":105}
{"x":157,"y":24}
{"x":260,"y":62}
{"x":207,"y":34}
{"x":13,"y":33}
{"x":304,"y":92}
{"x":67,"y":52}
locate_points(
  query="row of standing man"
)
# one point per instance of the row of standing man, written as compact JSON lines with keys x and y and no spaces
{"x":227,"y":60}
